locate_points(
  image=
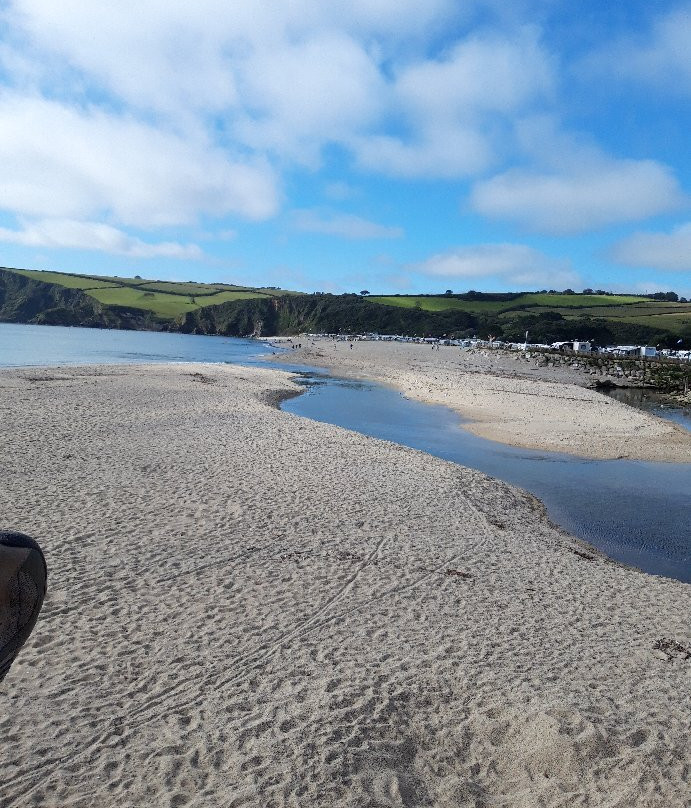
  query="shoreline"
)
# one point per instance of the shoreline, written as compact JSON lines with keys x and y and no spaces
{"x":540,"y":410}
{"x":246,"y":606}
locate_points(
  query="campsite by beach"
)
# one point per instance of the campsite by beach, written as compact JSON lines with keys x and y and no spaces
{"x":249,"y":608}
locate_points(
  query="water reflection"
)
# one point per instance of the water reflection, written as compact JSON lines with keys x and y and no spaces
{"x":638,"y":513}
{"x":653,"y":402}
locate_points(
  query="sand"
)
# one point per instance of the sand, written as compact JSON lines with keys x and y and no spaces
{"x":503,"y":400}
{"x":246,"y":608}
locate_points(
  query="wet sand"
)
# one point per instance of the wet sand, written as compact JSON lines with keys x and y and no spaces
{"x":530,"y":407}
{"x":246,"y":608}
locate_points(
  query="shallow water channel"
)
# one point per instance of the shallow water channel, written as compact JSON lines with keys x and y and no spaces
{"x":638,"y":513}
{"x":650,"y":401}
{"x":635,"y":512}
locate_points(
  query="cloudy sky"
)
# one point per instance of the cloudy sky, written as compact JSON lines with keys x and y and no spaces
{"x":393,"y":145}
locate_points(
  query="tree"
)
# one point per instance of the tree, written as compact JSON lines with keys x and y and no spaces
{"x":364,"y":292}
{"x":670,"y":297}
{"x":448,"y":292}
{"x":588,"y":292}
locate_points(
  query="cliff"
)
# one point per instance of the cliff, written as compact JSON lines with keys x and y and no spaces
{"x":25,"y":300}
{"x":293,"y":314}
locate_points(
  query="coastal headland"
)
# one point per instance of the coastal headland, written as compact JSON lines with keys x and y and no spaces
{"x":502,"y":398}
{"x":247,"y":608}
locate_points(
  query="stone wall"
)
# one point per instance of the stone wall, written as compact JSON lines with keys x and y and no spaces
{"x":666,"y":375}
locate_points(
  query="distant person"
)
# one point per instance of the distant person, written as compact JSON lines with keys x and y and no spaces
{"x":351,"y":346}
{"x":23,"y":576}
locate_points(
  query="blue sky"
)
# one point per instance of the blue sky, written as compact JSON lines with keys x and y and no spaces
{"x":388,"y":145}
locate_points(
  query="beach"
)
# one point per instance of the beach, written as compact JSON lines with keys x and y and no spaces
{"x":247,"y":608}
{"x":501,"y":398}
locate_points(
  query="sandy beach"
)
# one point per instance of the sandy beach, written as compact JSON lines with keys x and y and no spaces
{"x":505,"y":400}
{"x":246,"y":608}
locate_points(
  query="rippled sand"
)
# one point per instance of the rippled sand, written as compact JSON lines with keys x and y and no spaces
{"x":246,"y":608}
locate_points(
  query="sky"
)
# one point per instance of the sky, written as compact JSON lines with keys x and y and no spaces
{"x":397,"y":146}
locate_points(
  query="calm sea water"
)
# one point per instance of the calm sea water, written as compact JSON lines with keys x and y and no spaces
{"x":638,"y":513}
{"x":54,"y":345}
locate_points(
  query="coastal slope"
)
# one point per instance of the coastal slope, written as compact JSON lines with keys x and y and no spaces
{"x":504,"y":400}
{"x":248,"y":608}
{"x":61,"y":298}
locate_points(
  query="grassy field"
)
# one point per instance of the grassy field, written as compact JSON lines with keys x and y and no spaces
{"x":675,"y":322}
{"x":525,"y":301}
{"x":579,"y":301}
{"x":440,"y":303}
{"x":62,"y":279}
{"x":161,"y":304}
{"x":673,"y":317}
{"x":166,"y":299}
{"x":631,"y":309}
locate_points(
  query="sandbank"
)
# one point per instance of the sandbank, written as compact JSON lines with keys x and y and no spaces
{"x":535,"y":408}
{"x":246,"y":608}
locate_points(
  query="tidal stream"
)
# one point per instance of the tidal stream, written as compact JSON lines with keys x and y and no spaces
{"x":638,"y":513}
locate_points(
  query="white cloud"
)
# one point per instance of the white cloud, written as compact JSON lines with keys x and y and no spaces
{"x":516,"y":264}
{"x":574,"y":186}
{"x":663,"y":251}
{"x":285,"y":79}
{"x":301,"y":95}
{"x":344,"y":225}
{"x":440,"y":153}
{"x":199,"y":55}
{"x":452,"y":107}
{"x":491,"y":73}
{"x":603,"y":192}
{"x":66,"y":233}
{"x":167,"y":113}
{"x":255,"y":57}
{"x":659,"y":56}
{"x":59,"y":161}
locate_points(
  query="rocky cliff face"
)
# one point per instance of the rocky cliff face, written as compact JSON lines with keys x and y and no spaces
{"x":294,"y":314}
{"x":25,"y":300}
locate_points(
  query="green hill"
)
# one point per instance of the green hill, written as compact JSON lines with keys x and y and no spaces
{"x":321,"y":313}
{"x":165,"y":300}
{"x":553,"y":316}
{"x":56,"y":298}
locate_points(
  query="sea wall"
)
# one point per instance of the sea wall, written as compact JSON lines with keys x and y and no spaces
{"x":667,"y":375}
